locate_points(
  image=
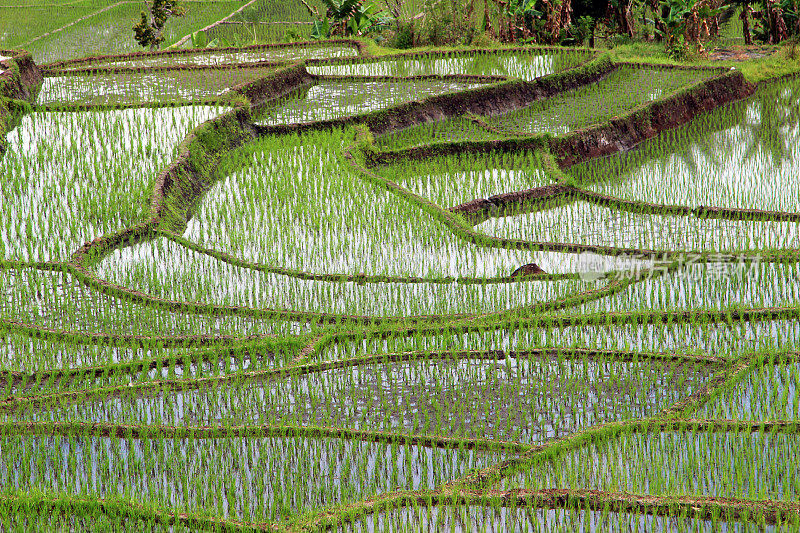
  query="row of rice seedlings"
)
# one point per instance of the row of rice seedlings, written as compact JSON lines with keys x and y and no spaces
{"x":168,"y":270}
{"x":493,"y":518}
{"x":441,"y":131}
{"x":33,"y":521}
{"x":67,"y":178}
{"x":82,"y":38}
{"x":513,"y":64}
{"x":759,"y":465}
{"x":330,"y":99}
{"x":276,"y":21}
{"x":731,"y":338}
{"x":584,"y":223}
{"x":709,"y":286}
{"x":213,"y":57}
{"x":19,"y":24}
{"x":132,"y":88}
{"x":38,"y":366}
{"x":528,"y":400}
{"x":770,"y":391}
{"x":255,"y":480}
{"x":44,"y":365}
{"x":751,"y":164}
{"x":453,"y":180}
{"x":56,"y":300}
{"x":61,"y":4}
{"x":293,"y":202}
{"x":25,"y":354}
{"x":266,"y":32}
{"x":292,"y":10}
{"x":620,"y":91}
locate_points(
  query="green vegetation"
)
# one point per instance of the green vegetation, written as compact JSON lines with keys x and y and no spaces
{"x":149,"y":31}
{"x":326,"y":285}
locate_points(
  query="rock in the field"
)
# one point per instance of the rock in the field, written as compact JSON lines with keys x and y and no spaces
{"x":531,"y":269}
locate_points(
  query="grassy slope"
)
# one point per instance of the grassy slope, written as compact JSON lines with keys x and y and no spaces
{"x":103,"y":33}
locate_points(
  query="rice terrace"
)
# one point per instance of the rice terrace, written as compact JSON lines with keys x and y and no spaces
{"x":410,"y":265}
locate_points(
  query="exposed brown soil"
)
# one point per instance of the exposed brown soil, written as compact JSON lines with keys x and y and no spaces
{"x":275,"y":86}
{"x":617,"y":135}
{"x":491,"y":100}
{"x":480,"y":210}
{"x":741,"y":53}
{"x":24,"y":86}
{"x":531,"y":200}
{"x":621,"y":134}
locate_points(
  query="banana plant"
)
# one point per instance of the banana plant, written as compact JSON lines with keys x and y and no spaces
{"x":249,"y":17}
{"x":676,"y":19}
{"x":347,"y":17}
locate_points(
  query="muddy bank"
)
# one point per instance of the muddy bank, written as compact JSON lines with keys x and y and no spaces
{"x":20,"y":78}
{"x":616,"y":135}
{"x":647,"y":121}
{"x":20,"y":82}
{"x":512,"y":203}
{"x":491,"y":100}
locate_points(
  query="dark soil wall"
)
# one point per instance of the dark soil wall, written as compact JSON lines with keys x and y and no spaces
{"x":622,"y":133}
{"x":21,"y":78}
{"x":617,"y":135}
{"x":275,"y":86}
{"x":490,"y":100}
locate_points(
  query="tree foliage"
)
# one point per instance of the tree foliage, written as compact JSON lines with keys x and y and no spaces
{"x":348,"y":17}
{"x":149,"y":32}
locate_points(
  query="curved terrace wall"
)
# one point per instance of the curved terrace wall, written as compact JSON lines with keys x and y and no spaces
{"x":183,"y":183}
{"x":616,"y":135}
{"x":181,"y":186}
{"x":492,"y":99}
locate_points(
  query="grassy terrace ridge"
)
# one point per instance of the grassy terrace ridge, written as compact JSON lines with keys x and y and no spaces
{"x":330,"y":285}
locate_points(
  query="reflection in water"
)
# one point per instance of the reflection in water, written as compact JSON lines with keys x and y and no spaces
{"x":294,"y":53}
{"x":524,"y":519}
{"x":334,"y":99}
{"x":255,"y":479}
{"x":745,"y":155}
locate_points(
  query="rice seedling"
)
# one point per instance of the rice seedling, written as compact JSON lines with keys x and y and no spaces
{"x":750,"y":163}
{"x":330,"y":99}
{"x":140,"y":88}
{"x":221,"y":474}
{"x":239,"y":317}
{"x":767,"y":392}
{"x":585,"y":223}
{"x":517,"y":64}
{"x":723,"y":464}
{"x":521,"y":518}
{"x":72,"y":35}
{"x":70,"y":177}
{"x":210,"y":56}
{"x":58,"y":301}
{"x":19,"y":24}
{"x":292,"y":201}
{"x":276,"y":20}
{"x":622,"y":90}
{"x":450,"y":181}
{"x":450,"y":130}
